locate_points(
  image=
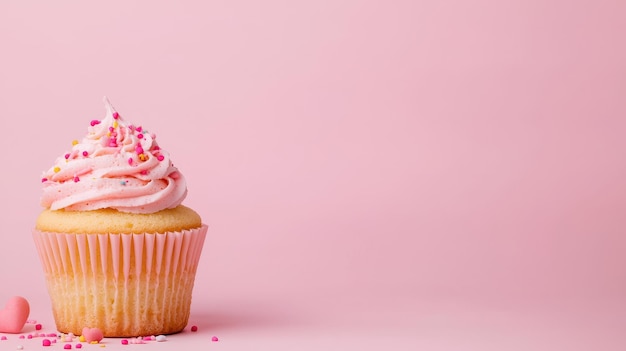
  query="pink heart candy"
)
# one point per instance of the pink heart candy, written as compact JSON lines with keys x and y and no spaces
{"x":92,"y":334}
{"x":14,"y":315}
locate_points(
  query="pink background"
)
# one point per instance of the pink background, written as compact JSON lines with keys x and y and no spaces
{"x":377,"y":175}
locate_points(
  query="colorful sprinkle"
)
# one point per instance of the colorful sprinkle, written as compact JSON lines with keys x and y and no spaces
{"x":161,"y":338}
{"x":21,"y":336}
{"x":57,"y":169}
{"x":79,"y":346}
{"x":29,"y":336}
{"x":124,"y":342}
{"x":94,"y":122}
{"x":214,"y":338}
{"x":67,"y":156}
{"x":74,"y":142}
{"x":76,"y":179}
{"x":46,"y":342}
{"x":138,"y":129}
{"x":144,"y":172}
{"x":122,"y":182}
{"x":139,"y":150}
{"x":143,"y":157}
{"x":194,"y":328}
{"x":111,"y":129}
{"x":140,"y":136}
{"x":3,"y":337}
{"x":67,"y":346}
{"x":81,"y":338}
{"x":115,"y":124}
{"x":53,"y":335}
{"x":85,"y":153}
{"x":160,"y":157}
{"x":44,"y":180}
{"x":156,"y":147}
{"x":116,"y":115}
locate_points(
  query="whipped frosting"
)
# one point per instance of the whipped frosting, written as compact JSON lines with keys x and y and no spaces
{"x":117,"y":165}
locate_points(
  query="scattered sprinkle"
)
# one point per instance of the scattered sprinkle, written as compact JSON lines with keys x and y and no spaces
{"x":140,"y":136}
{"x":21,"y":336}
{"x":57,"y":169}
{"x":214,"y":338}
{"x":194,"y":328}
{"x":138,"y":129}
{"x":124,"y":342}
{"x":161,"y":338}
{"x":76,"y":179}
{"x":74,"y":142}
{"x":45,"y":342}
{"x":81,"y":338}
{"x":44,"y":180}
{"x":130,"y":161}
{"x":67,"y":156}
{"x":29,"y":336}
{"x":67,"y":346}
{"x":85,"y":153}
{"x":116,"y":115}
{"x":115,"y":124}
{"x":94,"y":122}
{"x":139,"y":150}
{"x":160,"y":157}
{"x":3,"y":337}
{"x":79,"y":346}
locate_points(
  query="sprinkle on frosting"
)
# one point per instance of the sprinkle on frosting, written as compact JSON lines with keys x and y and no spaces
{"x":114,"y":152}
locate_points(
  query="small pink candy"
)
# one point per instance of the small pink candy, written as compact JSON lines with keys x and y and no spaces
{"x":139,"y":149}
{"x":21,"y":337}
{"x":46,"y":342}
{"x":37,"y":326}
{"x":94,"y":122}
{"x":43,"y":180}
{"x":124,"y":342}
{"x":67,"y":346}
{"x":140,"y":136}
{"x":76,"y":179}
{"x":160,"y":157}
{"x":30,"y":336}
{"x":85,"y":153}
{"x":79,"y":346}
{"x":3,"y":337}
{"x":138,"y":129}
{"x":130,"y":161}
{"x":214,"y":338}
{"x":116,"y":115}
{"x":194,"y":328}
{"x":67,"y":156}
{"x":156,"y":147}
{"x":111,"y":129}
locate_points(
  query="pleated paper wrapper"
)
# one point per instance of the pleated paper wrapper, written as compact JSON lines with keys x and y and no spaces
{"x":125,"y":284}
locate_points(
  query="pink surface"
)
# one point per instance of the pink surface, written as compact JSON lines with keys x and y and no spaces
{"x":438,"y":175}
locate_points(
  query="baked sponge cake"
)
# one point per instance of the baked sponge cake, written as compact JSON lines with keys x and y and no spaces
{"x":118,"y":248}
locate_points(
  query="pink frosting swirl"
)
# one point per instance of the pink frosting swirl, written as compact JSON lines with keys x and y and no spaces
{"x":117,"y":165}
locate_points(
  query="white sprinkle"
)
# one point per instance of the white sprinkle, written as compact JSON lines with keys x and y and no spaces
{"x":161,"y":338}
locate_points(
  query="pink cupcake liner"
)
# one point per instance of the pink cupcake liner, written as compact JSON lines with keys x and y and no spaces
{"x":94,"y":279}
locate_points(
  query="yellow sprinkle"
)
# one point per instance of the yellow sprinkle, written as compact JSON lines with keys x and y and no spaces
{"x":143,"y":157}
{"x":108,"y":134}
{"x":57,"y":169}
{"x":74,"y":142}
{"x":93,"y":342}
{"x":115,"y":124}
{"x":81,"y":338}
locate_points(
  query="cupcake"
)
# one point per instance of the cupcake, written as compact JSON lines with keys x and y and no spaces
{"x":119,"y":250}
